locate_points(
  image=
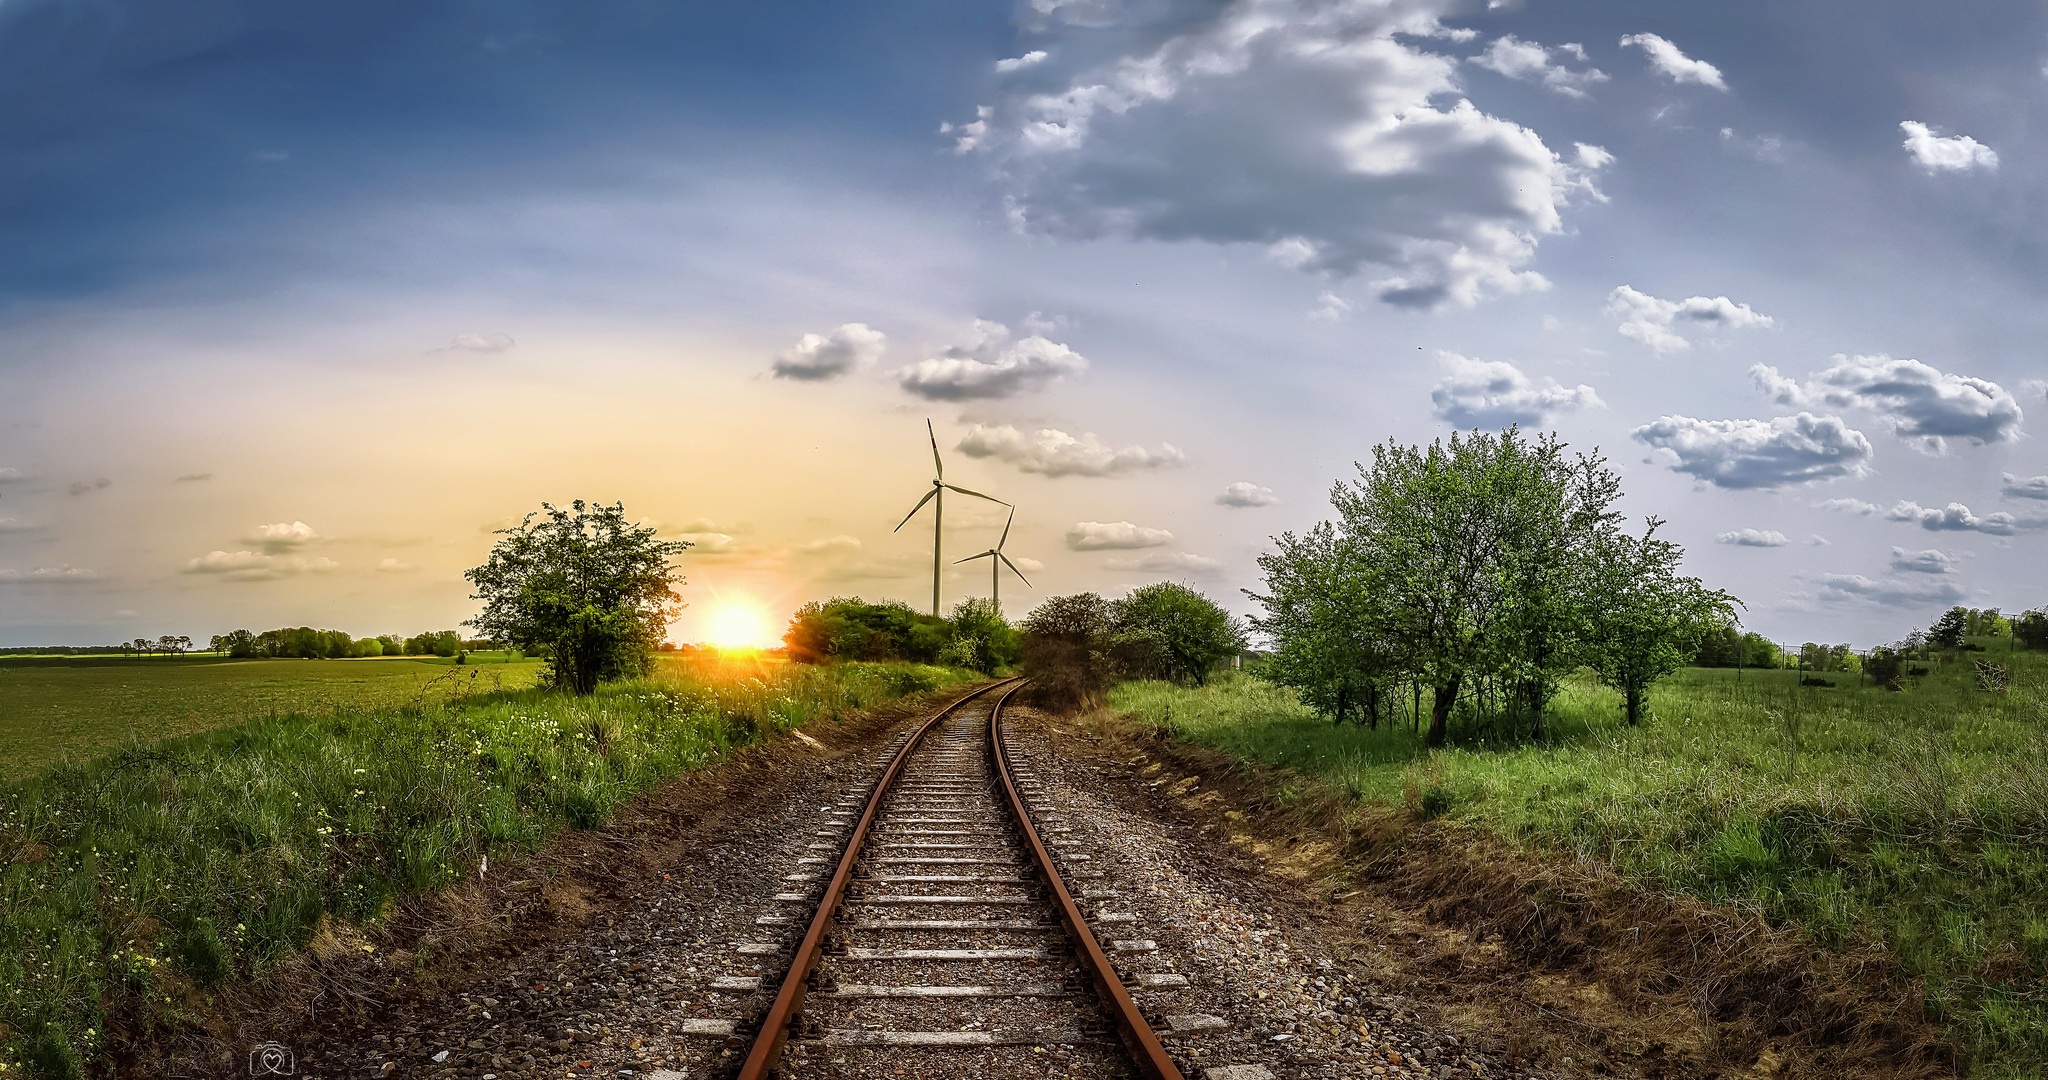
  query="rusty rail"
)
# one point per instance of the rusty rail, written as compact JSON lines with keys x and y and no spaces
{"x":789,"y":1000}
{"x":1138,"y":1037}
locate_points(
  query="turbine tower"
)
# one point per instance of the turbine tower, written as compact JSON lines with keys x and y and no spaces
{"x":937,"y":497}
{"x":998,"y":560}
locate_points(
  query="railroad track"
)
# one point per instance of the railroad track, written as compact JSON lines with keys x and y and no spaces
{"x":947,"y":941}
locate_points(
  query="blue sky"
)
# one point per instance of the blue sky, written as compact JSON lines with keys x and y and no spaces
{"x":301,"y":300}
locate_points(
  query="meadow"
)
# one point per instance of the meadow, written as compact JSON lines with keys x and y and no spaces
{"x":1916,"y":821}
{"x":133,"y":881}
{"x":54,"y":709}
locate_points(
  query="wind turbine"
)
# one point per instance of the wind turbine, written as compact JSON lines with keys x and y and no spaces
{"x":937,"y":497}
{"x":998,"y":560}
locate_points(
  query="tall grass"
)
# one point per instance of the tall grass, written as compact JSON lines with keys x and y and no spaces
{"x":1913,"y":821}
{"x":128,"y":882}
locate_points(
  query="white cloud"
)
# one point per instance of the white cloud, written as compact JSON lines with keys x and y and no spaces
{"x":1018,"y":63}
{"x":1771,"y":453}
{"x":991,"y":365}
{"x":1164,"y":562}
{"x":2025,"y":487}
{"x":1657,"y":323}
{"x":1675,"y":65}
{"x":1051,"y":452}
{"x":1955,"y":517}
{"x":1321,"y":131}
{"x":1529,"y":62}
{"x":257,"y":565}
{"x":1333,"y":308}
{"x":1245,"y":493}
{"x":482,"y":343}
{"x":395,"y":566}
{"x":830,"y":545}
{"x":1027,"y":564}
{"x":819,"y":357}
{"x":710,"y":543}
{"x":1921,"y":404}
{"x":48,"y":575}
{"x":1114,"y":536}
{"x":11,"y":475}
{"x":1888,"y":592}
{"x":283,"y":536}
{"x":1952,"y":153}
{"x":1481,"y":393}
{"x":1930,"y":561}
{"x":16,"y":525}
{"x":1766,"y":538}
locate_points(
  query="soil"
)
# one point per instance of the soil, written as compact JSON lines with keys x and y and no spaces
{"x":1322,"y":940}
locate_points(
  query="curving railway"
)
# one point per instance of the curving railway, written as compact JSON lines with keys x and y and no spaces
{"x":955,"y":934}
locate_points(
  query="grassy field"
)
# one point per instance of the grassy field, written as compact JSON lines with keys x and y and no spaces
{"x":131,"y":879}
{"x":54,"y":709}
{"x":1917,"y":820}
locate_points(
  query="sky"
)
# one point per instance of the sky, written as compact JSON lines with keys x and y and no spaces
{"x":299,"y":302}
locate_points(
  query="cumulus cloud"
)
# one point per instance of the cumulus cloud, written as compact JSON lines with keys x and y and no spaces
{"x":1245,"y":493}
{"x":48,"y":575}
{"x":1930,"y":561}
{"x":1114,"y":536}
{"x":479,"y":343}
{"x":1051,"y":452}
{"x":80,"y":487}
{"x":257,"y":565}
{"x":1674,"y":64}
{"x":1888,"y":592}
{"x":1494,"y":393}
{"x":1659,"y":323}
{"x":990,"y":364}
{"x":1921,"y":404}
{"x":395,"y":566}
{"x":819,"y":357}
{"x":711,"y":543}
{"x":1019,"y":63}
{"x":1945,"y":153}
{"x":1955,"y":517}
{"x":2025,"y":487}
{"x":1323,"y":132}
{"x":283,"y":536}
{"x":1529,"y":62}
{"x":1771,"y":453}
{"x":1164,"y":562}
{"x":1765,"y":538}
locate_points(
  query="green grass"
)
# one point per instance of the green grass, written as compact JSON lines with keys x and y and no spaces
{"x":1917,"y":821}
{"x":129,"y":880}
{"x":55,"y":709}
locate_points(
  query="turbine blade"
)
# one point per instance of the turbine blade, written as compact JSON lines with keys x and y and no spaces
{"x":976,"y":494}
{"x":983,"y":555}
{"x":1014,"y":570}
{"x":1006,"y":529}
{"x":913,"y":510}
{"x":933,"y":436}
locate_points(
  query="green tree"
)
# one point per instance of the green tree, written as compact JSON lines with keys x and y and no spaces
{"x":2031,"y":629}
{"x":1951,"y":630}
{"x":1646,"y":618}
{"x":1065,"y":650}
{"x":584,"y":587}
{"x":1328,"y":641}
{"x":1172,"y":631}
{"x":981,"y":638}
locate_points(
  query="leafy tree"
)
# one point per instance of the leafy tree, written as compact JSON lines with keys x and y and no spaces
{"x":1474,"y":548}
{"x":1172,"y":631}
{"x":1329,"y":644}
{"x":1951,"y":630}
{"x":2031,"y":630}
{"x":584,"y":587}
{"x":848,"y":628}
{"x":981,"y":638}
{"x":1647,"y":619}
{"x":1065,"y":650}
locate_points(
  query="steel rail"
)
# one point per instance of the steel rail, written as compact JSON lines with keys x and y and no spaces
{"x":789,"y":1000}
{"x":1138,"y":1037}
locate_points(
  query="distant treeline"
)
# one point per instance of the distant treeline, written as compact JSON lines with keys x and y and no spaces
{"x":306,"y":643}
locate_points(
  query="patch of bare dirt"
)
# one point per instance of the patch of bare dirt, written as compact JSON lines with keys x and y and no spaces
{"x":1547,"y":960}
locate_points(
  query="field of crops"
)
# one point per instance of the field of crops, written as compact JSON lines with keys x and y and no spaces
{"x":1914,"y":820}
{"x":130,"y":876}
{"x":58,"y":709}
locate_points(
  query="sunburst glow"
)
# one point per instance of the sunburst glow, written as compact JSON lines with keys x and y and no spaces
{"x":738,"y":625}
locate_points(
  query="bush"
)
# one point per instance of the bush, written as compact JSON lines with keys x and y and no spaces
{"x":1064,"y":650}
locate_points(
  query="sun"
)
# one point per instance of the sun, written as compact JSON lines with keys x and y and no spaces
{"x":738,"y":625}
